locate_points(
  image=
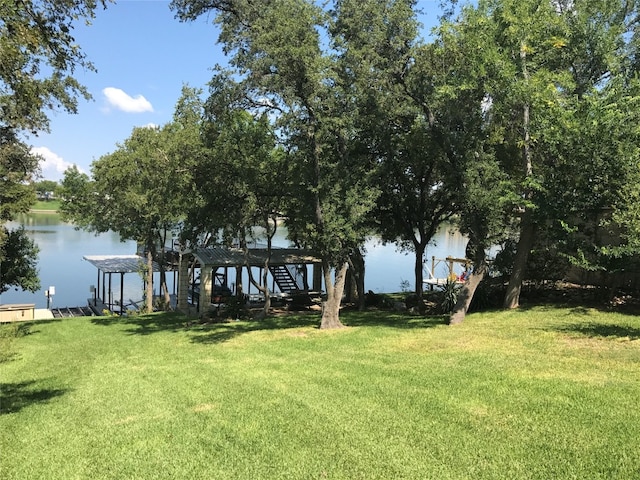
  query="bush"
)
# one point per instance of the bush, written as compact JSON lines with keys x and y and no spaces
{"x":379,"y":300}
{"x":449,"y":296}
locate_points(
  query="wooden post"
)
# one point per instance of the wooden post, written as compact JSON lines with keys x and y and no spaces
{"x":433,"y":271}
{"x":121,"y":293}
{"x":239,"y":288}
{"x":96,"y":294}
{"x":305,"y":277}
{"x":317,"y":277}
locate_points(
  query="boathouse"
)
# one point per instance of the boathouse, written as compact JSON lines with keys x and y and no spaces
{"x":102,"y":298}
{"x":216,"y":267}
{"x":287,"y":268}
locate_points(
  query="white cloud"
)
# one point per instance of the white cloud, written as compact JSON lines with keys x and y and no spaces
{"x":51,"y":164}
{"x":120,"y":100}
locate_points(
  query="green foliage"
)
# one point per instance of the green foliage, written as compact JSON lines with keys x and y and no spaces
{"x":284,"y":65}
{"x":79,"y":202}
{"x":556,"y":141}
{"x":142,"y":190}
{"x":18,"y":261}
{"x":18,"y":167}
{"x":250,"y":180}
{"x":44,"y":188}
{"x":450,"y":292}
{"x":235,"y":309}
{"x":379,"y":300}
{"x":39,"y":54}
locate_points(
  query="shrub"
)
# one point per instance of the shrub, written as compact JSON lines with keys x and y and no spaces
{"x":449,"y":296}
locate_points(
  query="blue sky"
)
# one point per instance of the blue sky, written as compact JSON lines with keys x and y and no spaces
{"x":143,"y":56}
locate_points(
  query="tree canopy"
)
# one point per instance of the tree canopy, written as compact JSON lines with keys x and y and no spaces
{"x":38,"y":57}
{"x":285,"y":66}
{"x":515,"y":120}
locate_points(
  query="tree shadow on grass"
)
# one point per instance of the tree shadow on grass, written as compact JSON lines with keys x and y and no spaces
{"x":16,"y":396}
{"x":218,"y":331}
{"x":211,"y":333}
{"x":602,"y":330}
{"x":159,"y":322}
{"x":145,"y":324}
{"x":381,"y":318}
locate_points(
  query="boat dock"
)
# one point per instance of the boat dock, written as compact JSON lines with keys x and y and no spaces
{"x":68,"y":312}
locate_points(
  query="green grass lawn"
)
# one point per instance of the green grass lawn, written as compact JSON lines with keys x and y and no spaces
{"x":51,"y":205}
{"x":545,"y":393}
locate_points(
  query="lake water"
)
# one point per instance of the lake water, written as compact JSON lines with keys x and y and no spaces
{"x":62,"y":247}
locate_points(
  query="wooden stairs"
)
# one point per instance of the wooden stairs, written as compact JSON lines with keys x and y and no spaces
{"x":285,"y":279}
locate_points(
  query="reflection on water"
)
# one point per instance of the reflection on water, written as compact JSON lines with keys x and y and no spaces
{"x":62,"y":248}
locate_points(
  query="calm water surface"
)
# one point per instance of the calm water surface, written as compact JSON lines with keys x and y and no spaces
{"x":62,"y":247}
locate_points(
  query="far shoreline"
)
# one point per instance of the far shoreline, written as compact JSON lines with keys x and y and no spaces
{"x":38,"y":210}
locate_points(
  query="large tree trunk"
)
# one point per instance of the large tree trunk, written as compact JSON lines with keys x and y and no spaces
{"x":468,"y":290}
{"x":335,"y":289}
{"x":525,"y":243}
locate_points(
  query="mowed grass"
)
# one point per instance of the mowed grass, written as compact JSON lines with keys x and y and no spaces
{"x":42,"y":205}
{"x":545,"y":393}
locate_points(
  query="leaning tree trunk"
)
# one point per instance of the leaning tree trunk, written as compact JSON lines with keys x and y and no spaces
{"x":468,"y":290}
{"x":335,"y":289}
{"x":525,"y":243}
{"x":527,"y":229}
